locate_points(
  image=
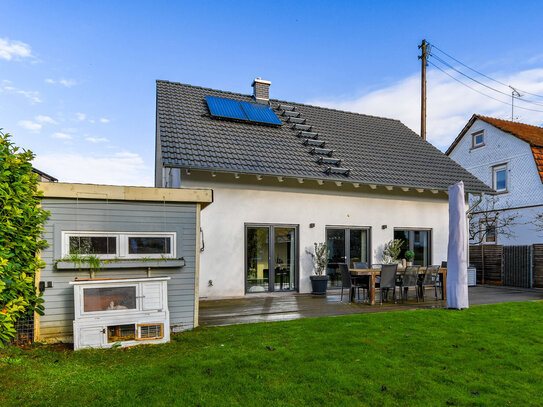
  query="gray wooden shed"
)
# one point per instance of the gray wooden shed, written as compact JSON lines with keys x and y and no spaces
{"x":116,"y":213}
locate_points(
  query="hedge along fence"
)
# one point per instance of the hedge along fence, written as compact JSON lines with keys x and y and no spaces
{"x":21,"y":227}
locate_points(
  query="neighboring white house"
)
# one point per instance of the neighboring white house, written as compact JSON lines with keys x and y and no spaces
{"x":285,"y":175}
{"x":508,"y":156}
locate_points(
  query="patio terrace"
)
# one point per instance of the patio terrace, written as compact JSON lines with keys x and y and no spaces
{"x":284,"y":307}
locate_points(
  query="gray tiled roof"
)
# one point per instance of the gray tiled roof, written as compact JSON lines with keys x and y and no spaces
{"x":377,"y":150}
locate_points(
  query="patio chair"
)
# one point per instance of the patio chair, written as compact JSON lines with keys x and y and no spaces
{"x":430,"y":279}
{"x":362,"y":281}
{"x":388,"y":280}
{"x":360,"y":265}
{"x":410,"y":279}
{"x":348,"y":281}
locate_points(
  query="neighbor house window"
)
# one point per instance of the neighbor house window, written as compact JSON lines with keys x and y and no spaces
{"x":490,"y":235}
{"x":108,"y":245}
{"x":478,"y":139}
{"x":499,"y":178}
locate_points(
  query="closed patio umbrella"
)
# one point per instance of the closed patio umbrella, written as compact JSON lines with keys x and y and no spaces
{"x":457,"y":254}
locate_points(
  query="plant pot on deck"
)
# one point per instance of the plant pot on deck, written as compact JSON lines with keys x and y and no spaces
{"x":319,"y":284}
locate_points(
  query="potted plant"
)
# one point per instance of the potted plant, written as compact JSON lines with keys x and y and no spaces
{"x":319,"y":256}
{"x":392,"y":250}
{"x":409,"y":256}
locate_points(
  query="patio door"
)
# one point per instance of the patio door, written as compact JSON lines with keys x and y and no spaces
{"x":346,"y":245}
{"x":418,"y":241}
{"x":271,"y":253}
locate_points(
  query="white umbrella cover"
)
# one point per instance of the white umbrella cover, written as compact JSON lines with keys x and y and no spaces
{"x":457,"y":254}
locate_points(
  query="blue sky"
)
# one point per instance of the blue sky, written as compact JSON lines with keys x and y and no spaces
{"x":77,"y":79}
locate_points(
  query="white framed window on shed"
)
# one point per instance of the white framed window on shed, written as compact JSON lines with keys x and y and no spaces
{"x":478,"y":139}
{"x":500,"y":180}
{"x":122,"y":245}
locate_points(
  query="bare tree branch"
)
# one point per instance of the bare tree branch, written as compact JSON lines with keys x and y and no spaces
{"x":486,"y":219}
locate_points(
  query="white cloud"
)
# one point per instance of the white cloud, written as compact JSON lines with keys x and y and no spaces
{"x":15,"y":50}
{"x":45,"y":119}
{"x":30,"y":125}
{"x":63,"y":81}
{"x":63,"y":136}
{"x":125,"y":169}
{"x":81,"y":116}
{"x":449,"y":105}
{"x":67,"y":82}
{"x":104,"y":120}
{"x":97,"y":139}
{"x":33,"y":96}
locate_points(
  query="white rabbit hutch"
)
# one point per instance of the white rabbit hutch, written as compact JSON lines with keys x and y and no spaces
{"x":122,"y":312}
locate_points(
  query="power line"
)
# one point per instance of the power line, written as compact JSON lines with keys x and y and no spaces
{"x":483,"y":84}
{"x":482,"y":74}
{"x":478,"y":91}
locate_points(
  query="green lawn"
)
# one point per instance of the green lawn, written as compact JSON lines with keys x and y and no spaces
{"x":488,"y":355}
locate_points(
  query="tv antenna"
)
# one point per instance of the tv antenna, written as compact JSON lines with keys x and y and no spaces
{"x":514,"y":93}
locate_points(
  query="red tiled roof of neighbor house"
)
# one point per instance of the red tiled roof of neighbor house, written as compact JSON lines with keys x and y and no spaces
{"x":533,"y":135}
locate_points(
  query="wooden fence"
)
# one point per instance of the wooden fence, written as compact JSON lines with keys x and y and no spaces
{"x":487,"y":259}
{"x":517,"y":266}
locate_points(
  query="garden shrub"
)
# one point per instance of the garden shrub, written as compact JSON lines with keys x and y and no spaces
{"x":21,"y":227}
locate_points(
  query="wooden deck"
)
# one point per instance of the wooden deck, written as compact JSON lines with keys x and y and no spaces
{"x":270,"y":308}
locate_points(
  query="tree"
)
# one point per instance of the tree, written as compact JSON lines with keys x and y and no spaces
{"x":21,"y":228}
{"x":486,"y":221}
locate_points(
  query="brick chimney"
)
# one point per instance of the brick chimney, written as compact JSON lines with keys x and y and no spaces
{"x":261,"y":90}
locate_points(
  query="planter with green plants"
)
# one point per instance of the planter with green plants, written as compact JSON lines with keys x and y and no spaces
{"x":94,"y":264}
{"x":319,"y":256}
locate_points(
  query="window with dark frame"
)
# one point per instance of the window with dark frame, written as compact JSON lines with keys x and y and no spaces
{"x":417,"y":241}
{"x":478,"y":139}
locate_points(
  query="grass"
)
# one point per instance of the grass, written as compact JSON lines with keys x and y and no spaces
{"x":489,"y":355}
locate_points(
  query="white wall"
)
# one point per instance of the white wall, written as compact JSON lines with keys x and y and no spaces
{"x":235,"y":205}
{"x":524,"y":183}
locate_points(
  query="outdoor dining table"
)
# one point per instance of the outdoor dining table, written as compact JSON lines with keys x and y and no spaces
{"x":373,"y":273}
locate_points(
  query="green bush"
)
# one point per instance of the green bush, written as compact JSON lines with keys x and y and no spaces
{"x":21,"y":227}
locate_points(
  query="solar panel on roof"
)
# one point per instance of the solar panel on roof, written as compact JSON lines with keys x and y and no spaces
{"x":228,"y":108}
{"x":260,"y":113}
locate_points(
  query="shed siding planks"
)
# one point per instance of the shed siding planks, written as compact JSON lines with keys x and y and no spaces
{"x":116,"y":216}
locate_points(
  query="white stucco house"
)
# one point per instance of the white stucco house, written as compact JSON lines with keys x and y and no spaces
{"x":507,"y":156}
{"x":285,"y":175}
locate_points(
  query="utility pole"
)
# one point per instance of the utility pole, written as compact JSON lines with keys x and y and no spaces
{"x":423,"y":48}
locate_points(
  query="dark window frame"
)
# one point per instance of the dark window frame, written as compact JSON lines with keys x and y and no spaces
{"x":474,"y":136}
{"x":271,"y":256}
{"x":411,"y":242}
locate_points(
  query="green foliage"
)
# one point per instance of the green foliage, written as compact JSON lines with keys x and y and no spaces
{"x":319,"y":255}
{"x":392,"y":250}
{"x":409,"y":255}
{"x":21,"y":227}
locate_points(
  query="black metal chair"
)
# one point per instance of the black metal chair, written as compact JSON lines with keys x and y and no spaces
{"x":410,"y":279}
{"x":348,"y":281}
{"x":388,"y":280}
{"x":430,"y":279}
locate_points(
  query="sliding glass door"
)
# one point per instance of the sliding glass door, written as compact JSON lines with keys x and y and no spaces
{"x":271,"y":266}
{"x":346,"y":245}
{"x":419,"y":242}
